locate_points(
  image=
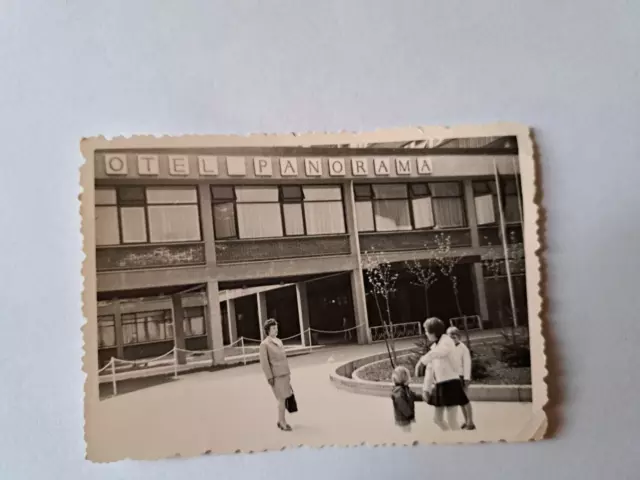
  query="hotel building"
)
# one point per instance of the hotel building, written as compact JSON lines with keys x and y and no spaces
{"x":196,"y":248}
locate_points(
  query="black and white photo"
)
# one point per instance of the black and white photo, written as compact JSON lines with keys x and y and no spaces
{"x":255,"y":293}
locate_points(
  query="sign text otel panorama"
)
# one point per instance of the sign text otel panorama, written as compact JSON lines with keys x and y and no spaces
{"x":143,"y":165}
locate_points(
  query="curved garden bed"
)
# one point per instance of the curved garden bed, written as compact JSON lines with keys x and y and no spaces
{"x":371,"y":375}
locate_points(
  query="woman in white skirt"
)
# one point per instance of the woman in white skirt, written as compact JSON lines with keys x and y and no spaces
{"x":273,"y":359}
{"x":446,"y":393}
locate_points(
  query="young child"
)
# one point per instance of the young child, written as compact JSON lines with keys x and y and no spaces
{"x":443,"y":388}
{"x":403,"y":399}
{"x":463,"y":356}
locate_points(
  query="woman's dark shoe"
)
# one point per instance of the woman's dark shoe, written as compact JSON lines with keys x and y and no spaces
{"x":469,"y":427}
{"x":285,"y":427}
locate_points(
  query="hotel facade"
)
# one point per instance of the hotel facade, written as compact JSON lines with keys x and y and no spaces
{"x":198,"y":247}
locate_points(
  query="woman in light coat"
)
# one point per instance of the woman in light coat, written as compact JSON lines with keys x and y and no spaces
{"x":273,"y":359}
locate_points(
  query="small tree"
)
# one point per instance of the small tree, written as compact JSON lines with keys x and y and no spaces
{"x":423,"y":276}
{"x":446,"y":260}
{"x":382,"y":279}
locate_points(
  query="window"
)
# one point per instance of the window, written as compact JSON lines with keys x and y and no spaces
{"x":146,"y":327}
{"x":106,"y":331}
{"x":274,"y":211}
{"x":258,"y":212}
{"x":224,"y":214}
{"x":486,"y":201}
{"x":391,"y":207}
{"x":131,"y":215}
{"x":448,"y":204}
{"x":292,"y":210}
{"x":400,"y":207}
{"x":323,"y":210}
{"x":193,"y":324}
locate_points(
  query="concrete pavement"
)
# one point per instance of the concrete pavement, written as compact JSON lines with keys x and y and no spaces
{"x":234,"y":410}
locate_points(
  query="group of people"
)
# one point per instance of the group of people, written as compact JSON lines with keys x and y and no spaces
{"x":447,"y":376}
{"x":447,"y":367}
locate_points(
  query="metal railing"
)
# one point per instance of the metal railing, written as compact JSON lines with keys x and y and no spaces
{"x":396,"y":331}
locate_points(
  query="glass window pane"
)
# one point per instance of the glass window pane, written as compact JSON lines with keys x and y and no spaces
{"x":174,"y":223}
{"x":141,"y":330}
{"x":362,"y":192}
{"x":364,"y":216}
{"x":392,"y":215}
{"x":448,"y":212}
{"x":322,"y":193}
{"x":107,"y":226}
{"x":222,"y":193}
{"x":419,"y":190}
{"x":324,"y":218}
{"x":509,"y":187}
{"x":291,"y":192}
{"x":155,"y":329}
{"x":511,"y":209}
{"x":293,"y":220}
{"x":172,"y":195}
{"x":134,"y":228}
{"x":259,"y":220}
{"x":106,"y":331}
{"x":257,"y":194}
{"x":422,"y":212}
{"x":106,"y":336}
{"x":197,"y":325}
{"x":445,"y":189}
{"x":186,"y":327}
{"x":224,"y":222}
{"x":105,"y":196}
{"x":481,"y":188}
{"x":485,"y":212}
{"x":131,"y":195}
{"x":390,"y":191}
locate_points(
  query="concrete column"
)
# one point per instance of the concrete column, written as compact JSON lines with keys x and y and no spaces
{"x":214,"y":329}
{"x":262,"y":312}
{"x":117,"y":317}
{"x":477,"y":275}
{"x":232,"y":321}
{"x":357,"y":280}
{"x":178,"y":327}
{"x":206,"y":223}
{"x":303,"y":312}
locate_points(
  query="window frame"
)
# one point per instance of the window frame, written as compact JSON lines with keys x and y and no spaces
{"x":490,"y":185}
{"x":111,"y":318}
{"x":411,"y":195}
{"x":144,"y":204}
{"x":282,"y":200}
{"x":167,"y":314}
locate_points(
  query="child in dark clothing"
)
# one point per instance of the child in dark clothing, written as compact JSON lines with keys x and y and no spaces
{"x":403,"y":399}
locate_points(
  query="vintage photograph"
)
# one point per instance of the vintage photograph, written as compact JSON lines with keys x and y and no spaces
{"x":249,"y":294}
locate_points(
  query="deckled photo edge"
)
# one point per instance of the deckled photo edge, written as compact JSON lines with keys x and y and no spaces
{"x":532,"y":197}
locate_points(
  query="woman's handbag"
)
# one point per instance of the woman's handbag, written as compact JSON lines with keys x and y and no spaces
{"x":290,"y":403}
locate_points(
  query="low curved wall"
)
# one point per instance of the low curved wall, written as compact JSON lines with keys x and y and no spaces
{"x":346,"y":378}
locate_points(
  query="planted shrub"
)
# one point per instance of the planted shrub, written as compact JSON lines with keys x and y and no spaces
{"x":515,"y":351}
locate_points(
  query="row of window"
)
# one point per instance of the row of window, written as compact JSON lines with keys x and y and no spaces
{"x":148,"y":327}
{"x":134,"y":215}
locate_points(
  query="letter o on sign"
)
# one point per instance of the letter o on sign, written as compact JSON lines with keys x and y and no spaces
{"x":115,"y":164}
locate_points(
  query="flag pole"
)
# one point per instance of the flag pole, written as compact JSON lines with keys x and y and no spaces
{"x":503,"y":231}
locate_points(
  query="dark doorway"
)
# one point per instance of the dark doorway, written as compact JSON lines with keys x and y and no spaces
{"x":331,"y":310}
{"x":247,"y":317}
{"x":282,"y":305}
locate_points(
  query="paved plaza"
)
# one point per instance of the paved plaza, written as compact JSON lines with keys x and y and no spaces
{"x":234,"y":409}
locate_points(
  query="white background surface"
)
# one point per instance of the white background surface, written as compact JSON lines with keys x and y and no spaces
{"x":570,"y":69}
